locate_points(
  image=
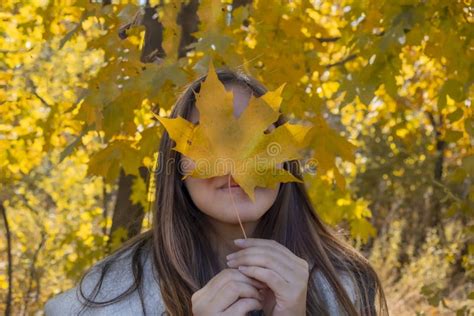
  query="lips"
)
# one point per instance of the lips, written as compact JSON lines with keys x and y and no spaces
{"x":233,"y":184}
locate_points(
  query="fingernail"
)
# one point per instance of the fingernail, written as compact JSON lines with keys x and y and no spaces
{"x":230,"y":256}
{"x":241,"y":268}
{"x":239,"y":241}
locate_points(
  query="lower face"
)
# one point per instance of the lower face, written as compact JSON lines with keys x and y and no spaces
{"x":213,"y":197}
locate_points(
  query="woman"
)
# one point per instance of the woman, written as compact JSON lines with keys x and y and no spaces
{"x":293,"y":264}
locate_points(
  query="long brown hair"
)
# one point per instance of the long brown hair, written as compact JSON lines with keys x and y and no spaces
{"x":184,"y":259}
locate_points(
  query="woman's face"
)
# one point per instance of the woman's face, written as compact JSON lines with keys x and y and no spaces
{"x":212,"y":195}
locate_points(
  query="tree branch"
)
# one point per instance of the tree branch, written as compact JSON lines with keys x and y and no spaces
{"x":8,"y":299}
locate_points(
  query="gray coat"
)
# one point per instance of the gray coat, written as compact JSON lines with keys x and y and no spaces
{"x":120,"y":277}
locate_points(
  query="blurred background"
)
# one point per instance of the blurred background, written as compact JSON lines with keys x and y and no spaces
{"x":387,"y":84}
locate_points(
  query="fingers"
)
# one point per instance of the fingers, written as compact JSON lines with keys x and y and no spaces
{"x":264,"y":257}
{"x":243,"y":306}
{"x":259,"y":242}
{"x":269,"y":254}
{"x":276,"y":248}
{"x":227,"y":276}
{"x":231,"y":292}
{"x":276,"y":283}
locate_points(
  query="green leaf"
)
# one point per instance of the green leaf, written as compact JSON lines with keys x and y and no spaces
{"x":452,"y":136}
{"x":455,"y":115}
{"x":471,"y":296}
{"x":468,"y":165}
{"x":108,"y":161}
{"x":70,"y":148}
{"x":454,"y":89}
{"x":469,"y":126}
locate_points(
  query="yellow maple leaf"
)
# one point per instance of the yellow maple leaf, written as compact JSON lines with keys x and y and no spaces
{"x":222,"y":144}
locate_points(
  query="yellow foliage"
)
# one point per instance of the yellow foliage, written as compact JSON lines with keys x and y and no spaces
{"x":385,"y":83}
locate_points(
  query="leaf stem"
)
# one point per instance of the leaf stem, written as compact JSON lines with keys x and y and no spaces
{"x":235,"y":208}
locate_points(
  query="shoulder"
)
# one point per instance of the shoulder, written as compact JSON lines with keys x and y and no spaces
{"x":118,"y":279}
{"x":328,"y":293}
{"x":63,"y":304}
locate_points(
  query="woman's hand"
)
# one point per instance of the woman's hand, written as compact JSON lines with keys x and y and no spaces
{"x":282,"y":271}
{"x":228,"y":293}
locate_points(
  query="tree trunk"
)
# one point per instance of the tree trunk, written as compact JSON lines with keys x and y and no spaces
{"x":8,"y":297}
{"x":126,"y":214}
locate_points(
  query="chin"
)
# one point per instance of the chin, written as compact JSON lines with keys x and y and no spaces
{"x":224,"y":211}
{"x":231,"y":218}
